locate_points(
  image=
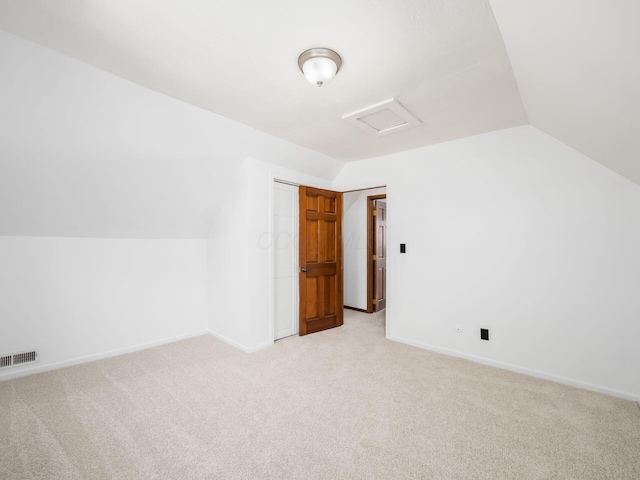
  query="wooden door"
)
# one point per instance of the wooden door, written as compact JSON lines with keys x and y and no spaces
{"x":380,"y":258}
{"x":376,"y":277}
{"x":320,"y":259}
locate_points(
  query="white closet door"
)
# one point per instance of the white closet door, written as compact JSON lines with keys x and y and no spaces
{"x":285,"y":238}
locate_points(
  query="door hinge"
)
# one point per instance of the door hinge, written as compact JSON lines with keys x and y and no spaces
{"x":374,"y":212}
{"x":375,"y":302}
{"x":374,"y":257}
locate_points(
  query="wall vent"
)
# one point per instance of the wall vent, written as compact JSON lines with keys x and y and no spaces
{"x":18,"y":359}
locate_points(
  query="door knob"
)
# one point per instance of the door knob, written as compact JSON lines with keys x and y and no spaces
{"x":303,"y":269}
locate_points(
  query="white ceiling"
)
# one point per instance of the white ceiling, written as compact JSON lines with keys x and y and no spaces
{"x":445,"y":61}
{"x":84,"y":153}
{"x":578,"y":70}
{"x":577,"y":77}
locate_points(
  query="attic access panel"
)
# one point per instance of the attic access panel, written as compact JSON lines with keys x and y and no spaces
{"x":383,"y":118}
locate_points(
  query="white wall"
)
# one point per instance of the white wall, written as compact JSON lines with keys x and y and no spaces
{"x":576,"y":81}
{"x":354,"y":235}
{"x":515,"y":232}
{"x":77,"y":299}
{"x":240,"y":256}
{"x":84,"y":153}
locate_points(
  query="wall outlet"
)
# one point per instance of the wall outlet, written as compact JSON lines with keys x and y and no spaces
{"x":484,"y":334}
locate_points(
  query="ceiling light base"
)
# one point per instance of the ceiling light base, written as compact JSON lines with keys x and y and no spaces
{"x":319,"y":65}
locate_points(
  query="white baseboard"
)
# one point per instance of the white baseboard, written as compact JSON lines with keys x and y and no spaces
{"x":518,"y":369}
{"x":239,"y":346}
{"x":39,"y":368}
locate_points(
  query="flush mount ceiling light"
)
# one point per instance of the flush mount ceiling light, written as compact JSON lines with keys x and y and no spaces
{"x":319,"y":65}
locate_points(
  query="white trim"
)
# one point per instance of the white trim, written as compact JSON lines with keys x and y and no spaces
{"x":239,"y":346}
{"x":272,"y":259}
{"x":296,"y":249}
{"x":98,"y":356}
{"x":518,"y":369}
{"x":285,"y":182}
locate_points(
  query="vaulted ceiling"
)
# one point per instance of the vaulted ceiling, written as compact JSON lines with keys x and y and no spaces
{"x":566,"y":66}
{"x":576,"y":63}
{"x":444,"y":61}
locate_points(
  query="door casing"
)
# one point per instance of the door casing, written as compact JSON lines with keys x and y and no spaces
{"x":370,"y":248}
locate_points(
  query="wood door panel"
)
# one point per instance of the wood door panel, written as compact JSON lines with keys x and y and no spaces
{"x":381,"y":284}
{"x":319,"y":324}
{"x":312,"y":296}
{"x":321,"y":269}
{"x":330,"y":247}
{"x":312,"y":204}
{"x":329,"y":296}
{"x":320,"y":259}
{"x":329,"y":205}
{"x":313,"y":237}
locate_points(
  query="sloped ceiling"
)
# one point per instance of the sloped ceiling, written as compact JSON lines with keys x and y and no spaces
{"x":576,"y":64}
{"x":84,"y":153}
{"x":443,"y":60}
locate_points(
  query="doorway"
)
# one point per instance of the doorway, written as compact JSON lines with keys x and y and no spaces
{"x":307,"y":259}
{"x":358,"y":248}
{"x":376,"y":253}
{"x":287,"y":264}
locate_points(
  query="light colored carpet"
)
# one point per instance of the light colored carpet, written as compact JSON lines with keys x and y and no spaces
{"x":340,"y":404}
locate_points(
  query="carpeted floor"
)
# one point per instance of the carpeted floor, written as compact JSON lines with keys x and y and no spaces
{"x":340,"y":404}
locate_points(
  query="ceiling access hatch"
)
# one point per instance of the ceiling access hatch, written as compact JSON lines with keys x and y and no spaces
{"x":383,"y":118}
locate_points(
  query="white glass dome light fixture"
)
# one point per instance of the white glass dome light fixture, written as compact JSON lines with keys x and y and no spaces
{"x":319,"y":65}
